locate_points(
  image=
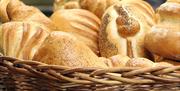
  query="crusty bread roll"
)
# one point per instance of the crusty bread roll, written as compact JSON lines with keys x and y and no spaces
{"x":65,"y":4}
{"x":95,"y":6}
{"x":3,"y":13}
{"x":15,"y":10}
{"x":119,"y":60}
{"x":178,"y":1}
{"x":167,"y":64}
{"x":125,"y":61}
{"x":81,"y":23}
{"x":22,"y":39}
{"x":144,"y":62}
{"x":162,"y":59}
{"x":123,"y":28}
{"x":164,"y":39}
{"x":106,"y":61}
{"x":61,"y":48}
{"x":164,"y":42}
{"x":173,"y":62}
{"x":98,"y":7}
{"x":115,"y":61}
{"x":139,"y":62}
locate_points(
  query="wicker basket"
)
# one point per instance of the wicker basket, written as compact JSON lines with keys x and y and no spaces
{"x":20,"y":75}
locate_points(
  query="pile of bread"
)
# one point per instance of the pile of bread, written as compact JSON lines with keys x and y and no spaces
{"x":93,"y":33}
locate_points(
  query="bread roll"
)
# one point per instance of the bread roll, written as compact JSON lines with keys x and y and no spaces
{"x":125,"y":61}
{"x":170,"y":61}
{"x":106,"y":61}
{"x":95,"y":6}
{"x":115,"y":61}
{"x":81,"y":23}
{"x":22,"y":39}
{"x":15,"y":10}
{"x":123,"y":28}
{"x":61,"y":48}
{"x":144,"y":62}
{"x":167,"y":64}
{"x":98,"y":7}
{"x":65,"y":4}
{"x":178,"y":1}
{"x":164,"y":39}
{"x":3,"y":12}
{"x":119,"y":60}
{"x":139,"y":62}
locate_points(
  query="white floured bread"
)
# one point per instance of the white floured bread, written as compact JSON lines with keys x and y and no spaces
{"x":123,"y":28}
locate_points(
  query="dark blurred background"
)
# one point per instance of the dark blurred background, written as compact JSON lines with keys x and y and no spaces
{"x":155,"y":3}
{"x":46,"y":5}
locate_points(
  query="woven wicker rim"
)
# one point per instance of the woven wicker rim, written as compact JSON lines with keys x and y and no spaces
{"x":87,"y":76}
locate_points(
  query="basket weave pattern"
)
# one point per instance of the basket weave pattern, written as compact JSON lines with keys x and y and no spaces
{"x":32,"y":75}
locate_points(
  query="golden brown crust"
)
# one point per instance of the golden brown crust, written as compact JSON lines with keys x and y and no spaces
{"x":164,"y":39}
{"x":144,"y":9}
{"x":3,"y":9}
{"x":98,"y":7}
{"x":170,"y":61}
{"x":106,"y":61}
{"x":166,"y":64}
{"x":119,"y":60}
{"x":61,"y":48}
{"x":127,"y":26}
{"x":107,"y":48}
{"x":139,"y":62}
{"x":123,"y":29}
{"x":15,"y":10}
{"x":65,"y":4}
{"x":169,"y":10}
{"x":115,"y":61}
{"x":173,"y":1}
{"x":81,"y":23}
{"x":22,"y":39}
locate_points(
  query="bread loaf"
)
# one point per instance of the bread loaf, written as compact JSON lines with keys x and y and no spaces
{"x":98,"y":7}
{"x":95,"y":6}
{"x":123,"y":28}
{"x":65,"y":4}
{"x":115,"y":61}
{"x":3,"y":10}
{"x":139,"y":62}
{"x":125,"y":61}
{"x":164,"y":39}
{"x":170,"y":61}
{"x":61,"y":48}
{"x":143,"y":62}
{"x":81,"y":23}
{"x":15,"y":10}
{"x":119,"y":60}
{"x":22,"y":39}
